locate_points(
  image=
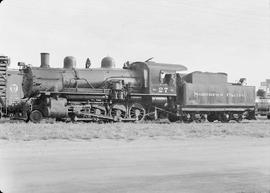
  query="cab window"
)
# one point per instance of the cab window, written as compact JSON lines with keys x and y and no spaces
{"x":167,"y":78}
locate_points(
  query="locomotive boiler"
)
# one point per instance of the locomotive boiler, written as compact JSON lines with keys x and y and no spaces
{"x":106,"y":93}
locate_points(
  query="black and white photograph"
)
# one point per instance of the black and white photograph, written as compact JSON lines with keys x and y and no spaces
{"x":135,"y":96}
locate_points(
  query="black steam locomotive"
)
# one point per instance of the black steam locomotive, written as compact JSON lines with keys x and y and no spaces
{"x":137,"y":91}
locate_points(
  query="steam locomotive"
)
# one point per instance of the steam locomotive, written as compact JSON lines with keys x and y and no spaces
{"x":138,"y":91}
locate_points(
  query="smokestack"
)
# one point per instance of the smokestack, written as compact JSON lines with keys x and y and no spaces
{"x":45,"y":60}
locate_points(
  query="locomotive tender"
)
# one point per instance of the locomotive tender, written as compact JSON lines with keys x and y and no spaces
{"x":204,"y":93}
{"x":138,"y":90}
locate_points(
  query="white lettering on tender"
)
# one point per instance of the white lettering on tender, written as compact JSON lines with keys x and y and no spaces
{"x":209,"y":94}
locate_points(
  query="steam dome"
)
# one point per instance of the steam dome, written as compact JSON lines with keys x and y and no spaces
{"x":107,"y":62}
{"x":69,"y":62}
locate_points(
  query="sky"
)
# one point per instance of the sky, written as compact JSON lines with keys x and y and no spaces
{"x":231,"y":36}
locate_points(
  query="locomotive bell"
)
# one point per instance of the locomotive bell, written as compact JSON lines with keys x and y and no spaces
{"x":69,"y":62}
{"x":107,"y":62}
{"x":45,"y":60}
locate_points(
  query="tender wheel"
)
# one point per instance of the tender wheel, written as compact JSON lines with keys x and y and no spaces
{"x":239,"y":119}
{"x":225,"y":118}
{"x":268,"y":116}
{"x":203,"y":118}
{"x":173,"y":118}
{"x":36,"y":116}
{"x":210,"y":118}
{"x":118,"y":112}
{"x":199,"y":118}
{"x":136,"y":111}
{"x":188,"y":118}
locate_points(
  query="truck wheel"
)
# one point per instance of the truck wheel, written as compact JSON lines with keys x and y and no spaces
{"x":203,"y":118}
{"x":36,"y":116}
{"x":268,"y":116}
{"x":173,"y":118}
{"x":210,"y":118}
{"x":224,"y":118}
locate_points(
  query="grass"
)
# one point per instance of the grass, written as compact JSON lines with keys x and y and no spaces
{"x":130,"y":131}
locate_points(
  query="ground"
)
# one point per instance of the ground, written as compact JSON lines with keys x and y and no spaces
{"x":135,"y":158}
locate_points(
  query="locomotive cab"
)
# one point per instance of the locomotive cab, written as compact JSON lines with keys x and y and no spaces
{"x":159,"y":78}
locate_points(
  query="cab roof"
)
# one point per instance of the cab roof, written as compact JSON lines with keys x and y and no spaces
{"x":160,"y":66}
